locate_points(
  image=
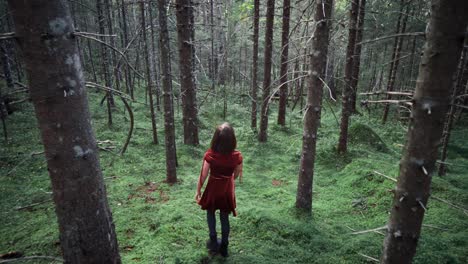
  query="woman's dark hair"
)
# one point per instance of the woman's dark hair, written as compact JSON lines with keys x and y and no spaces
{"x":224,"y":140}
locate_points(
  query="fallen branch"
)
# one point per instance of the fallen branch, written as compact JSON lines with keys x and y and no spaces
{"x":386,"y":92}
{"x":383,"y":175}
{"x":461,"y":106}
{"x":465,"y":211}
{"x":19,"y":208}
{"x":370,"y":230}
{"x":81,"y":33}
{"x":8,"y":35}
{"x":407,"y":102}
{"x":369,"y":257}
{"x":32,"y":257}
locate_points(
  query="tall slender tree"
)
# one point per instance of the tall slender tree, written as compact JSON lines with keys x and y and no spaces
{"x":444,"y":40}
{"x":169,"y":127}
{"x":318,"y":65}
{"x":45,"y":31}
{"x":283,"y":92}
{"x":149,"y":80}
{"x":401,"y":28}
{"x":253,"y":118}
{"x":357,"y":53}
{"x":105,"y":57}
{"x":185,"y":27}
{"x":262,"y":135}
{"x":347,"y":89}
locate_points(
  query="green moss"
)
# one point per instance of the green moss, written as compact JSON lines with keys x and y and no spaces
{"x":165,"y":225}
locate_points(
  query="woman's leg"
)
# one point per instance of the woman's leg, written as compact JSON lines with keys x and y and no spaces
{"x":211,"y":219}
{"x":225,"y":228}
{"x":212,"y":243}
{"x":223,"y":248}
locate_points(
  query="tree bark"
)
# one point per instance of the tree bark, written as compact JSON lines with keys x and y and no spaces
{"x":169,"y":129}
{"x":128,"y":76}
{"x":444,"y":40}
{"x":45,"y":32}
{"x":284,"y":63}
{"x":262,"y":135}
{"x":347,"y":89}
{"x":318,"y":65}
{"x":357,"y":54}
{"x":149,"y":80}
{"x":188,"y":91}
{"x":253,"y":116}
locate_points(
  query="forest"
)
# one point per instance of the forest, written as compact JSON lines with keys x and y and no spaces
{"x":349,"y":116}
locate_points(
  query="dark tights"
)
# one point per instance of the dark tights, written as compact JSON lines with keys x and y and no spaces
{"x":224,"y":217}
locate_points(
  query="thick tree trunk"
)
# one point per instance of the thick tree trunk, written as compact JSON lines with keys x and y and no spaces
{"x":347,"y":89}
{"x":58,"y":93}
{"x":253,"y":116}
{"x":188,"y":91}
{"x":262,"y":135}
{"x":169,"y":129}
{"x":318,"y":65}
{"x":395,"y":58}
{"x":284,"y":64}
{"x":444,"y":37}
{"x":357,"y":54}
{"x":149,"y":80}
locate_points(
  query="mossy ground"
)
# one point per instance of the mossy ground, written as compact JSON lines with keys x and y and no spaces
{"x":158,"y":223}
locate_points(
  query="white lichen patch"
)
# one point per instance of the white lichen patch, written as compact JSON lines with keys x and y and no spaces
{"x":58,"y":26}
{"x":79,"y":152}
{"x":69,"y":60}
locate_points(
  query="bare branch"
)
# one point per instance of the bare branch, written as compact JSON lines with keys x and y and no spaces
{"x":392,"y":36}
{"x":8,"y":35}
{"x":113,"y":48}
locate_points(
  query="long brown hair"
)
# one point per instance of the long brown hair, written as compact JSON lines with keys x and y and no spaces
{"x":224,"y":140}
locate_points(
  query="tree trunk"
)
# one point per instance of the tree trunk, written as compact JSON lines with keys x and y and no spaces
{"x":395,"y":58}
{"x":284,"y":64}
{"x":58,"y":93}
{"x":149,"y":80}
{"x":318,"y":65}
{"x":128,"y":76}
{"x":169,"y":130}
{"x":451,"y":113}
{"x":154,"y":61}
{"x":105,"y":61}
{"x":188,"y":91}
{"x":347,"y":89}
{"x":357,"y":54}
{"x":262,"y":135}
{"x":444,"y":37}
{"x":253,"y":117}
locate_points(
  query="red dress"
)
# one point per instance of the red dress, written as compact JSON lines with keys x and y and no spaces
{"x":219,"y":192}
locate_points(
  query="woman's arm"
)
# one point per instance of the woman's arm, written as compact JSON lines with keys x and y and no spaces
{"x":201,"y":180}
{"x":238,"y":172}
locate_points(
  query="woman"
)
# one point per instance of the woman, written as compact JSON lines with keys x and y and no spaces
{"x":225,"y":165}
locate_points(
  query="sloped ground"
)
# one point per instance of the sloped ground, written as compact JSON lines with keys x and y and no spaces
{"x":157,"y":223}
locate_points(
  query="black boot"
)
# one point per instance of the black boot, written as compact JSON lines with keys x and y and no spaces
{"x":223,"y":249}
{"x":212,"y":245}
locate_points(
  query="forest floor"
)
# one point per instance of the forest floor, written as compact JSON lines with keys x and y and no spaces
{"x":158,"y":223}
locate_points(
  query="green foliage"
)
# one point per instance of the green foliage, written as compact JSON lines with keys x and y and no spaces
{"x":159,"y":223}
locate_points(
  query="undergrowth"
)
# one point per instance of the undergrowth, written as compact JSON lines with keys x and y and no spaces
{"x":158,"y":223}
